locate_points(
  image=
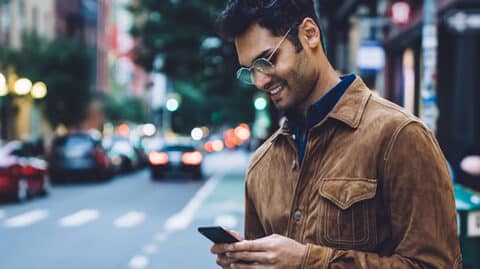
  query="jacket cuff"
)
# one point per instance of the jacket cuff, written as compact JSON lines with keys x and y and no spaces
{"x":317,"y":257}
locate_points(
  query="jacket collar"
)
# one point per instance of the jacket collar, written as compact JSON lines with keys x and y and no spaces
{"x":349,"y":109}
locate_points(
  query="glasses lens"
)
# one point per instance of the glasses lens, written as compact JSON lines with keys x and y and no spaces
{"x":244,"y":75}
{"x":263,"y":66}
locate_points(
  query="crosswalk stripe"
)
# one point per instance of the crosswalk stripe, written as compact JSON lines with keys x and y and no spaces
{"x":129,"y":220}
{"x":79,"y":218}
{"x":26,"y":219}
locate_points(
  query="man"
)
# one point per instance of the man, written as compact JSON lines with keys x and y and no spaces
{"x":350,"y":180}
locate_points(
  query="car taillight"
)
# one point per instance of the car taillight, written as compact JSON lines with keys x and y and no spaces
{"x":100,"y":157}
{"x":192,"y":158}
{"x":158,"y":158}
{"x":28,"y":171}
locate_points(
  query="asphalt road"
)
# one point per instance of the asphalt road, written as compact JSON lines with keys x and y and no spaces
{"x":128,"y":222}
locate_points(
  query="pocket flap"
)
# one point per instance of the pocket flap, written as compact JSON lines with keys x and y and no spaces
{"x":344,"y":192}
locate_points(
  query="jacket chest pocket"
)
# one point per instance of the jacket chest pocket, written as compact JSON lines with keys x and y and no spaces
{"x":347,"y":213}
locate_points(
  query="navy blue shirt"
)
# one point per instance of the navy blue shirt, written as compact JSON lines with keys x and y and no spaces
{"x":318,"y":111}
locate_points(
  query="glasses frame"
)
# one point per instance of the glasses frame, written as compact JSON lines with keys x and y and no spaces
{"x":255,"y":66}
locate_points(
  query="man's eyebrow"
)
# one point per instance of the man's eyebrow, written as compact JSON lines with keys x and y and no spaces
{"x":263,"y":54}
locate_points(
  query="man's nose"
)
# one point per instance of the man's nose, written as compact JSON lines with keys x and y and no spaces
{"x":262,"y":80}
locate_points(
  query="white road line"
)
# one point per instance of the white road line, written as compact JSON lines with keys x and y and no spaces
{"x":80,"y":218}
{"x":150,"y":249}
{"x":161,"y":237}
{"x":183,"y":219}
{"x":129,"y":220}
{"x":26,"y":219}
{"x":138,"y":262}
{"x":227,"y":221}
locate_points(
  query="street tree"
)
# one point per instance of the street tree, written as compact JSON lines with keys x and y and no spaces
{"x":179,"y":39}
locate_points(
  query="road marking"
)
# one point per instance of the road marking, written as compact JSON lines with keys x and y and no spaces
{"x":138,"y":262}
{"x":227,"y":221}
{"x":183,"y":219}
{"x":26,"y":219}
{"x":81,"y":217}
{"x":160,"y":237}
{"x":150,"y":249}
{"x":129,"y":220}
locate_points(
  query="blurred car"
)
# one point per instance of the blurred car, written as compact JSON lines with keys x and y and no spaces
{"x":78,"y":155}
{"x":22,"y":174}
{"x":176,"y":158}
{"x":123,"y":152}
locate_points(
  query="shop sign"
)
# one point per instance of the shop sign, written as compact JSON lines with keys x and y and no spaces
{"x":371,"y":56}
{"x":463,"y":21}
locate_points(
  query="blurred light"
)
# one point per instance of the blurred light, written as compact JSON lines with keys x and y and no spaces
{"x":3,"y":89}
{"x":172,"y":105}
{"x":260,"y":103}
{"x":471,"y":165}
{"x":22,"y":86}
{"x":39,"y":90}
{"x":123,"y":129}
{"x":197,"y":134}
{"x":158,"y":158}
{"x":149,"y":129}
{"x":230,"y":139}
{"x":400,"y":12}
{"x":208,"y":146}
{"x":192,"y":158}
{"x":205,"y":131}
{"x":242,"y":133}
{"x":217,"y":145}
{"x":3,"y":80}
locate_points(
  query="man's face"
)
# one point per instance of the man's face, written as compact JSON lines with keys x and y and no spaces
{"x":294,"y":78}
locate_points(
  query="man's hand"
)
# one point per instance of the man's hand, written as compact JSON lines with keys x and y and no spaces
{"x":221,"y":249}
{"x":274,"y":252}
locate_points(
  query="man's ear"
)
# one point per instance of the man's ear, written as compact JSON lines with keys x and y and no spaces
{"x":309,"y":33}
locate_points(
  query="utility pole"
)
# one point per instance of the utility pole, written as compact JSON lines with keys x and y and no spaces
{"x":430,"y":111}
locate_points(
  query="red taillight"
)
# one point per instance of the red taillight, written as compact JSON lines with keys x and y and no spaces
{"x":158,"y":158}
{"x":28,"y":171}
{"x":100,"y":157}
{"x":192,"y":158}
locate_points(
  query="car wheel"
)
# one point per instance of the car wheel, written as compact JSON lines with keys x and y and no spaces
{"x":197,"y":175}
{"x":22,"y":192}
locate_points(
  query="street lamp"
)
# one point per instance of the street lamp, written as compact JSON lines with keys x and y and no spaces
{"x":22,"y":86}
{"x":39,"y":90}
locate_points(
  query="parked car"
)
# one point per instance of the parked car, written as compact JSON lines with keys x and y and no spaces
{"x":78,"y":156}
{"x":176,"y":158}
{"x":22,"y":174}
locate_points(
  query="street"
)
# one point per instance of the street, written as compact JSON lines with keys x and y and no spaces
{"x":127,"y":222}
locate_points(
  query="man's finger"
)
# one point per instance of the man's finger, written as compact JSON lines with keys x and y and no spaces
{"x":218,"y":248}
{"x":262,"y":244}
{"x":257,"y":257}
{"x":224,"y":261}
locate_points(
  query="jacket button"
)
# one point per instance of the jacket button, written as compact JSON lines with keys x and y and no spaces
{"x":297,"y":215}
{"x":294,"y":165}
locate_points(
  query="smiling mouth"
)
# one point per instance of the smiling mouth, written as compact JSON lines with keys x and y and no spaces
{"x":276,"y":90}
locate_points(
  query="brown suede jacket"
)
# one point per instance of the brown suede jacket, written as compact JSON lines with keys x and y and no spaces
{"x":373,"y":190}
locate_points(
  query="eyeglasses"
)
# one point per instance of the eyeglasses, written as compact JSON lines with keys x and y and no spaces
{"x":249,"y":75}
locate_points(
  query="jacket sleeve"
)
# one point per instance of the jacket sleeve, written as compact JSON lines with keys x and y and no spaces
{"x":418,"y":194}
{"x":253,"y":226}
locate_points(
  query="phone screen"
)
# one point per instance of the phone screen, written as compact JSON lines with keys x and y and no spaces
{"x":217,"y":235}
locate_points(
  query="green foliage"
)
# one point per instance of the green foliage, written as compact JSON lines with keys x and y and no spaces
{"x":65,"y":67}
{"x":201,"y":66}
{"x":120,"y":108}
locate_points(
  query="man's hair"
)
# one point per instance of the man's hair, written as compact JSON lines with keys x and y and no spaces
{"x":275,"y":15}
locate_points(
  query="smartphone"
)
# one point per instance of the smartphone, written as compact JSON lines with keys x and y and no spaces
{"x":217,"y":235}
